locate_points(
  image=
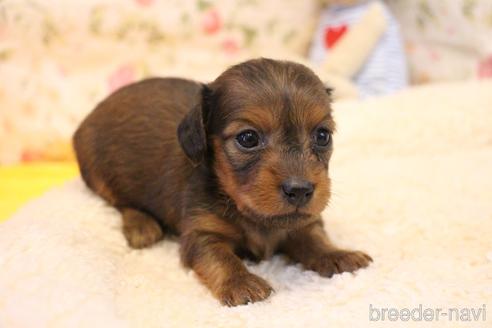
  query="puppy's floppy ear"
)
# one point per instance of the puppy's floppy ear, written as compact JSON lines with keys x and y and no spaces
{"x":191,"y":130}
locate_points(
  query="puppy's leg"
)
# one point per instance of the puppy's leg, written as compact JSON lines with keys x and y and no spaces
{"x":140,"y":229}
{"x":311,"y":247}
{"x":210,"y":254}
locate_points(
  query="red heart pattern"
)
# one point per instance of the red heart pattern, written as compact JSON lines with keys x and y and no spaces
{"x":333,"y":34}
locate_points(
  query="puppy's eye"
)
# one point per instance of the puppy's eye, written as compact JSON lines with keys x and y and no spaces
{"x":322,"y":137}
{"x":248,"y":139}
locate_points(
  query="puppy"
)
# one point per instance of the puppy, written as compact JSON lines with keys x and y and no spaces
{"x":237,"y":168}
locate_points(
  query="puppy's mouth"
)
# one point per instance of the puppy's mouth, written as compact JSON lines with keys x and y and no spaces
{"x":277,"y":220}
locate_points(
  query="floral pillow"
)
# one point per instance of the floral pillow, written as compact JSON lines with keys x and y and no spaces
{"x":59,"y":58}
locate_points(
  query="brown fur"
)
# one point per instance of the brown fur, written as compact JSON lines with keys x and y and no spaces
{"x":164,"y":152}
{"x":99,"y":186}
{"x":140,"y":229}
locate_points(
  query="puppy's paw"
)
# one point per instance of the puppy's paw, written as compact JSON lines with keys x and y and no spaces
{"x":339,"y":261}
{"x":142,"y":233}
{"x":243,"y":289}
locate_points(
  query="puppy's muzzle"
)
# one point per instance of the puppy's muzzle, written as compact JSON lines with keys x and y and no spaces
{"x":297,"y":192}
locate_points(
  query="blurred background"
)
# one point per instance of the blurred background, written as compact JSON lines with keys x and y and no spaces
{"x":59,"y":58}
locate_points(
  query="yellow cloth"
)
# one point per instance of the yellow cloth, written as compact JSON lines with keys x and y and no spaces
{"x":20,"y":183}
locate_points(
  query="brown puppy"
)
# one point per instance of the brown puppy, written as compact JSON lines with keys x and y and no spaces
{"x":237,"y":168}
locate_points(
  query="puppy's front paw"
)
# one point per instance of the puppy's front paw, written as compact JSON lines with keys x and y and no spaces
{"x":339,"y":261}
{"x":243,"y":289}
{"x":143,"y":233}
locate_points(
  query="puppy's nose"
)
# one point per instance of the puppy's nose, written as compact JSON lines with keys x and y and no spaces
{"x":297,"y":192}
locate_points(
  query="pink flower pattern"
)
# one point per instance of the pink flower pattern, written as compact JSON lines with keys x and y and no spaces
{"x":230,"y":47}
{"x":29,"y":155}
{"x":145,"y":3}
{"x":211,"y":22}
{"x":3,"y":32}
{"x":485,"y":68}
{"x":124,"y":75}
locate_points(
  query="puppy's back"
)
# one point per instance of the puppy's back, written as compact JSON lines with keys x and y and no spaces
{"x":128,"y":150}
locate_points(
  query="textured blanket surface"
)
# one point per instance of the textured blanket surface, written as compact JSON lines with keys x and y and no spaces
{"x":412,"y":184}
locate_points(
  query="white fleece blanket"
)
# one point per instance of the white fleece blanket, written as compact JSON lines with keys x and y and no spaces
{"x":412,"y":180}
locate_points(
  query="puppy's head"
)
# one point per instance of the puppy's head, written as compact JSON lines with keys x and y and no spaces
{"x":268,"y":126}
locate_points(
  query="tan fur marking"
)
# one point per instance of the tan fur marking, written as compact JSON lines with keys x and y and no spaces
{"x":264,"y":245}
{"x":212,"y":224}
{"x":261,"y":118}
{"x":140,"y":229}
{"x":311,"y":247}
{"x":102,"y":190}
{"x":318,"y":115}
{"x":226,"y":176}
{"x":222,"y":271}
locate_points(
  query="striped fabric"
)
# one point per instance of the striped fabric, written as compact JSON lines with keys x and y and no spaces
{"x":385,"y":70}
